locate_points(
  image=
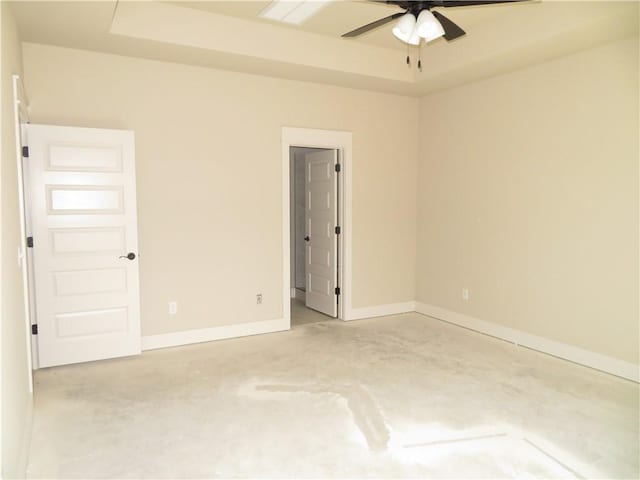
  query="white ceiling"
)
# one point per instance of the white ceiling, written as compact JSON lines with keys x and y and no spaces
{"x":230,"y":35}
{"x":339,"y":17}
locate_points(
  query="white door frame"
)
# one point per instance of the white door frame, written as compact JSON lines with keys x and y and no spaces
{"x":329,"y":139}
{"x":21,"y":117}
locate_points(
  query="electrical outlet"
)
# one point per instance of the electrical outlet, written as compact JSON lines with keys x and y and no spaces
{"x":173,"y":308}
{"x":465,"y":294}
{"x":259,"y":299}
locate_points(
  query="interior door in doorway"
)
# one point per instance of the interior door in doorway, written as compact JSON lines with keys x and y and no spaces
{"x":321,"y":214}
{"x":82,"y":188}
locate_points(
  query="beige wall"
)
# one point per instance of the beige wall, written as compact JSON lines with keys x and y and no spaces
{"x":16,"y":397}
{"x":209,"y":212}
{"x":528,"y":188}
{"x":528,"y":197}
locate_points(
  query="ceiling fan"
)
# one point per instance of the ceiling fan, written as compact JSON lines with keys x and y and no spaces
{"x":418,"y":21}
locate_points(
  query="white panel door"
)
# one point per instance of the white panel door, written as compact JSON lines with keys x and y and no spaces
{"x":320,"y":221}
{"x":83,"y":220}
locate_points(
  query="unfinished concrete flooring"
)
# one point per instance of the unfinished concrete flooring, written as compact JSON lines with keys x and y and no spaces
{"x":402,"y":396}
{"x":301,"y":315}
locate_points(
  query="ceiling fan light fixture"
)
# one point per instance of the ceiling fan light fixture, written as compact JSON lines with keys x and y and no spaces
{"x":428,"y":27}
{"x":414,"y":39}
{"x":405,"y":27}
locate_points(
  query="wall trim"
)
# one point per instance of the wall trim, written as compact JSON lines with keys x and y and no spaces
{"x":187,"y":337}
{"x":20,"y":119}
{"x":597,"y":361}
{"x":604,"y":363}
{"x":381,"y":310}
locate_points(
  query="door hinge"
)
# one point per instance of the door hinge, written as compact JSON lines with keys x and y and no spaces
{"x":337,"y":167}
{"x":337,"y":290}
{"x":338,"y":230}
{"x":34,"y":329}
{"x":30,"y":242}
{"x":25,"y":152}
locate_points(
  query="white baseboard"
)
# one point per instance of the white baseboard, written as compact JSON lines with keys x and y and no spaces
{"x":578,"y":355}
{"x":565,"y":351}
{"x":301,"y":295}
{"x":186,"y":337}
{"x":380,"y":310}
{"x":293,"y":293}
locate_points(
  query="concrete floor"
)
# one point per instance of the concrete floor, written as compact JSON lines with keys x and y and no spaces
{"x":301,"y":315}
{"x":400,"y":396}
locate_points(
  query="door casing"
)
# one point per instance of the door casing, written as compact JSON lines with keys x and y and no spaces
{"x":327,"y":139}
{"x":21,"y":118}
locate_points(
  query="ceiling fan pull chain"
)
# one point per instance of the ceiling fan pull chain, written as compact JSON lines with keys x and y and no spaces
{"x":420,"y":57}
{"x":408,"y":57}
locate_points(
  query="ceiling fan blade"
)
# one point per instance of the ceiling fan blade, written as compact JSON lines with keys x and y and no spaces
{"x":468,"y":3}
{"x":372,"y":25}
{"x":451,"y":30}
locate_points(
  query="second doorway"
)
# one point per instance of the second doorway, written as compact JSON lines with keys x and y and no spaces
{"x":315,"y":228}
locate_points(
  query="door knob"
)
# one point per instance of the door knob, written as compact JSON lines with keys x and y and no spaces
{"x":129,"y":255}
{"x":306,"y":239}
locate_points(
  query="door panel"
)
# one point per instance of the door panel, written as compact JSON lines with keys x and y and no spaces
{"x":87,"y":240}
{"x":83,"y":200}
{"x":83,"y":214}
{"x":320,"y":220}
{"x":82,"y":324}
{"x":87,"y":282}
{"x":85,"y":158}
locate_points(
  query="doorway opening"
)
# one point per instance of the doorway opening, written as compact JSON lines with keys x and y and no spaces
{"x":328,"y":223}
{"x":315,"y":227}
